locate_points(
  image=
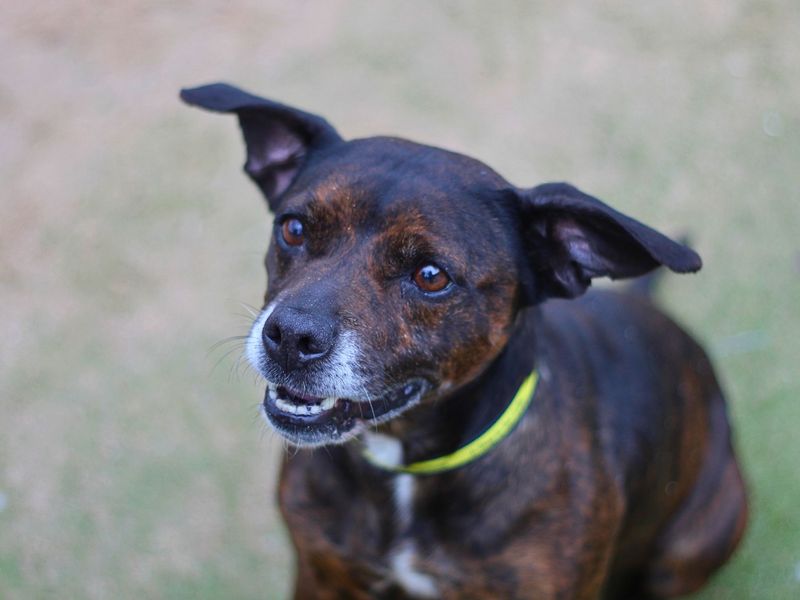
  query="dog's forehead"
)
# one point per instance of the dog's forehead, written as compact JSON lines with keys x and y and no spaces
{"x":389,"y":181}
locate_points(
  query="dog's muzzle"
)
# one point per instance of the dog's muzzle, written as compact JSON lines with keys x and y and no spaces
{"x":315,"y":393}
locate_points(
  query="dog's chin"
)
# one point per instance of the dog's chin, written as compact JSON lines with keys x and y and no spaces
{"x":310,"y":421}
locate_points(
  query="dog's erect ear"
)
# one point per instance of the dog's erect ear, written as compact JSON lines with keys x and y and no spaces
{"x":279,"y":138}
{"x":572,"y":237}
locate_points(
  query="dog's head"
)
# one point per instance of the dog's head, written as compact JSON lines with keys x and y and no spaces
{"x":396,"y":270}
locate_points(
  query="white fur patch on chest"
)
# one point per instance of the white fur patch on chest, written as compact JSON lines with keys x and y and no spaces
{"x":389,"y":451}
{"x":414,"y":582}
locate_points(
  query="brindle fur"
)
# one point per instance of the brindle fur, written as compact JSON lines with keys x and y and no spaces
{"x":619,"y":482}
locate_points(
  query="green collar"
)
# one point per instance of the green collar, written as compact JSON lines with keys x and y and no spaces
{"x":478,"y":447}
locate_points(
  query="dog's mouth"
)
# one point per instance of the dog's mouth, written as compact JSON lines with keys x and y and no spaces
{"x":307,"y":420}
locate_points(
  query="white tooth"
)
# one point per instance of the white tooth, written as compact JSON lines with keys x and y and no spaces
{"x":286,"y":406}
{"x":302,"y":409}
{"x":273,"y":393}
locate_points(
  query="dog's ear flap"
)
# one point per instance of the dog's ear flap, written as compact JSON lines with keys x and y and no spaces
{"x":279,"y":138}
{"x":572,"y":238}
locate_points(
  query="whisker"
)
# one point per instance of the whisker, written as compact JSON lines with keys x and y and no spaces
{"x":227,"y":340}
{"x":243,"y":367}
{"x":371,"y":407}
{"x":295,"y":449}
{"x":234,"y":373}
{"x":250,"y":309}
{"x":246,"y":318}
{"x":257,"y":418}
{"x":223,"y":357}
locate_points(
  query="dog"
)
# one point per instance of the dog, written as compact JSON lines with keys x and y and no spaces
{"x":489,"y":430}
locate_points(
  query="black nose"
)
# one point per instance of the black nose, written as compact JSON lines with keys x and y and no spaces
{"x":294,"y":339}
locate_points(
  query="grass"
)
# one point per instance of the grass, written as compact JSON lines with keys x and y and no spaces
{"x":129,"y":464}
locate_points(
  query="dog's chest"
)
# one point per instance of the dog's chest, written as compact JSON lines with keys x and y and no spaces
{"x":403,"y":555}
{"x":372,"y":540}
{"x":395,"y":536}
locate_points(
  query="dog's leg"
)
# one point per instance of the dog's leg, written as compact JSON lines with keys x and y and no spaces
{"x":704,"y":533}
{"x":304,"y":582}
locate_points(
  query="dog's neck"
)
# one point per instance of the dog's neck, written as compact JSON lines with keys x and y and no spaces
{"x":436,"y":428}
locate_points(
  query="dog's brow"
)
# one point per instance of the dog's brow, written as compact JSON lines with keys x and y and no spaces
{"x":407,"y":245}
{"x":337,"y":206}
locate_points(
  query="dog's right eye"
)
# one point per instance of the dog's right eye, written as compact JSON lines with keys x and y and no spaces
{"x":430,"y":278}
{"x":292,"y":232}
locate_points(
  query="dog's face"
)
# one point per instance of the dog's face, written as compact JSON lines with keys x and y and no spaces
{"x":391,"y":278}
{"x":396,"y":270}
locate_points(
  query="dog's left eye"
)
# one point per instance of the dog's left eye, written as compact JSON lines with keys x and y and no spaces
{"x":292,"y":232}
{"x":431,"y":278}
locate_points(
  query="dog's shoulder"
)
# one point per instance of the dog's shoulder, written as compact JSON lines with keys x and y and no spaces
{"x":610,"y":325}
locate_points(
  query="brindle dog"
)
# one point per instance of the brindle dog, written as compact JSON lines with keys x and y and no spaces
{"x":411,"y":291}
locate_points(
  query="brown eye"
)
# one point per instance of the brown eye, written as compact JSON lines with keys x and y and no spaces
{"x":430,"y":278}
{"x":292,"y":232}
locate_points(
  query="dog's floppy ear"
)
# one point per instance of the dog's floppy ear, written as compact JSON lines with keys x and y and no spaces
{"x":572,"y":237}
{"x":279,"y":138}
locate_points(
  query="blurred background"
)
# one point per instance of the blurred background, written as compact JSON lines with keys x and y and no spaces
{"x":132,"y":459}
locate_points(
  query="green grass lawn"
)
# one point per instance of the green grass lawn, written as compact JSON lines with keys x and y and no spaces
{"x":132,"y":461}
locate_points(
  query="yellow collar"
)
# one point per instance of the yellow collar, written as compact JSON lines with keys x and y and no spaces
{"x":477,"y":447}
